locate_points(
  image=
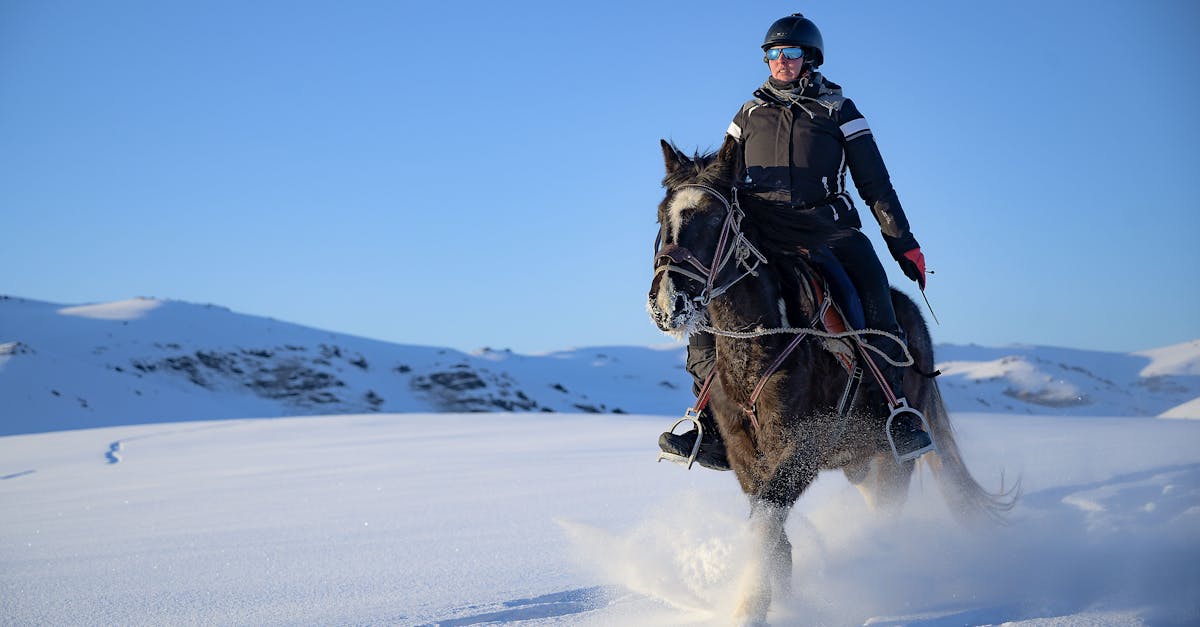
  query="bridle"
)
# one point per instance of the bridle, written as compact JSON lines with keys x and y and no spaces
{"x":732,"y":246}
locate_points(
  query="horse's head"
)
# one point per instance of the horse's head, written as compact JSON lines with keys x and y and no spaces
{"x":700,"y":250}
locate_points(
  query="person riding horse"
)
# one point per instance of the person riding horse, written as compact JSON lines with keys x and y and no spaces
{"x":797,"y":137}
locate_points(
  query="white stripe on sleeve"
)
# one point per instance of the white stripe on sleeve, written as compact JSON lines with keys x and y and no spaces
{"x":855,"y":127}
{"x":734,"y":130}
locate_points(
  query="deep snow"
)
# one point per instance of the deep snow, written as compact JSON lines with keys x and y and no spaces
{"x":459,"y":519}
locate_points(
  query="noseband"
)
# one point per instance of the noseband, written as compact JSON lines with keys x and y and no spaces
{"x":732,"y":245}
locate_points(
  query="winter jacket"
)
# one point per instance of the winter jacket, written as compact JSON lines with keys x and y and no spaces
{"x":799,"y":139}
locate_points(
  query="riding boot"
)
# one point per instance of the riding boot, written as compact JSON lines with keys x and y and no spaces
{"x":701,"y":359}
{"x":906,"y":431}
{"x":858,"y":257}
{"x":712,"y":448}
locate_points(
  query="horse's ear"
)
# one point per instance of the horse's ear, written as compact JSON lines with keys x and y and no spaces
{"x":728,"y":154}
{"x":671,"y":156}
{"x":730,"y":159}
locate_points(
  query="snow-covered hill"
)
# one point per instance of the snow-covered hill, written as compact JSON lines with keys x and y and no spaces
{"x":147,"y":360}
{"x":1163,"y":382}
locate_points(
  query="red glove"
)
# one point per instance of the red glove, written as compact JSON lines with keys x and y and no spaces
{"x":913,"y":265}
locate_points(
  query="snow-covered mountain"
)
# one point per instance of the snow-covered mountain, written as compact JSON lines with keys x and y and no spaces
{"x":1163,"y":382}
{"x":147,"y":360}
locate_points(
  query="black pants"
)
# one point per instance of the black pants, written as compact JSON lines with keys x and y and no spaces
{"x":858,"y":257}
{"x":854,"y":250}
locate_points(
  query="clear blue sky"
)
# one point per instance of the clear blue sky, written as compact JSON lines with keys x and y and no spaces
{"x":477,"y":174}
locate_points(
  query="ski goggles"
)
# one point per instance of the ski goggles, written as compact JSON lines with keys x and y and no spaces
{"x":787,"y":53}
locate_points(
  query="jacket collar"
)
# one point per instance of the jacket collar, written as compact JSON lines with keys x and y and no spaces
{"x":812,"y":87}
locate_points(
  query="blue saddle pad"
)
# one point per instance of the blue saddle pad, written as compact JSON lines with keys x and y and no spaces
{"x":842,"y":288}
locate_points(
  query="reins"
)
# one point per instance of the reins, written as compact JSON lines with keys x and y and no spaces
{"x":672,"y":258}
{"x":857,"y":334}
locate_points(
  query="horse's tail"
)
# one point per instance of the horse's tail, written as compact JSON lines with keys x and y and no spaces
{"x":969,"y":501}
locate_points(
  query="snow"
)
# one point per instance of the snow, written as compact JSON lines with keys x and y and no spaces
{"x":1189,"y":410}
{"x":454,"y":519}
{"x":1180,"y":359}
{"x":124,"y":310}
{"x":1060,"y":381}
{"x":208,"y":486}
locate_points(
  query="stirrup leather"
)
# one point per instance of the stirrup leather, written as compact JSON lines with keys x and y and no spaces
{"x":691,"y":415}
{"x":901,"y":407}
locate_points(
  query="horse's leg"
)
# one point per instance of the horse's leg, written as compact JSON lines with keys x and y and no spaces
{"x":781,"y":566}
{"x":772,"y":552}
{"x":882,"y":482}
{"x":766,"y":529}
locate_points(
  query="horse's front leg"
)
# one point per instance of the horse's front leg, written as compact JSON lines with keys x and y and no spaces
{"x":781,"y":566}
{"x":767,"y":540}
{"x":771,"y":557}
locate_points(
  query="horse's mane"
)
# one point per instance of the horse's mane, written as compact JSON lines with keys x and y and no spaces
{"x":699,"y":173}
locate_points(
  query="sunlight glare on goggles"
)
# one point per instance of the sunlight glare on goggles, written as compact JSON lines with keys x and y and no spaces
{"x":788,"y":53}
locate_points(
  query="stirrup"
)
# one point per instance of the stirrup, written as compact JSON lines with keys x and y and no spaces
{"x":692,"y":415}
{"x":901,"y":407}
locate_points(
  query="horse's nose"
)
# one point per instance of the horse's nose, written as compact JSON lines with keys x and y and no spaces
{"x":680,"y":303}
{"x":654,"y":288}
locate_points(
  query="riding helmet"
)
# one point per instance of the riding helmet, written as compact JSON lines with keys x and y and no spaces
{"x":797,"y":30}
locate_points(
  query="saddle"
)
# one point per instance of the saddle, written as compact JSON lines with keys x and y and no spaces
{"x":842,"y":311}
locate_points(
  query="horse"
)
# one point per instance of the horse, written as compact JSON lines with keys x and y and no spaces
{"x":739,"y":267}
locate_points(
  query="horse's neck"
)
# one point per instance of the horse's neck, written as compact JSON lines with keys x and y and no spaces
{"x":758,"y":303}
{"x":752,"y":302}
{"x":764,"y":302}
{"x":752,"y":305}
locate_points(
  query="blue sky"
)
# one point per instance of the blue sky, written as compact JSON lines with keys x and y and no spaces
{"x":486,"y":174}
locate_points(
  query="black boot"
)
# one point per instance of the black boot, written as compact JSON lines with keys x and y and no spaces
{"x":712,"y":448}
{"x":906,"y":432}
{"x":909,"y":436}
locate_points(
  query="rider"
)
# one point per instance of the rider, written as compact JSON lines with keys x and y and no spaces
{"x":798,"y":135}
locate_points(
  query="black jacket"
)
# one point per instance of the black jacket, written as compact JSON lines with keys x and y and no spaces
{"x":797,"y":146}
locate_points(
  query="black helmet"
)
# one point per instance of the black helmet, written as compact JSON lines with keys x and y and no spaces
{"x":797,"y":30}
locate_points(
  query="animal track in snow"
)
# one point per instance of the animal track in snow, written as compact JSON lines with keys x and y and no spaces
{"x":553,"y":605}
{"x":114,"y":454}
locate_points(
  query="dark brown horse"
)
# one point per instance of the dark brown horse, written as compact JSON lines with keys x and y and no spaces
{"x":737,"y":267}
